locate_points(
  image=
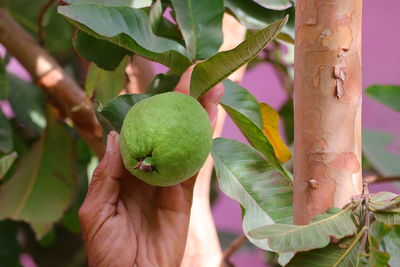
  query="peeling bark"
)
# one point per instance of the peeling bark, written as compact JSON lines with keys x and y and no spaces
{"x":327,"y":105}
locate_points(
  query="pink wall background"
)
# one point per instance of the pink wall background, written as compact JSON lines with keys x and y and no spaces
{"x":381,"y":65}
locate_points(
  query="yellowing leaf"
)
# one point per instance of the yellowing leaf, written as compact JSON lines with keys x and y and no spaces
{"x":270,"y":120}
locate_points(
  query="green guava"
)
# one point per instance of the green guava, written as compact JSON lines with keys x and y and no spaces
{"x":165,"y":139}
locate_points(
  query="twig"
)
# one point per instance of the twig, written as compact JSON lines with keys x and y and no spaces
{"x":231,"y":249}
{"x":42,"y":14}
{"x":381,"y":179}
{"x":365,"y":197}
{"x":46,"y":72}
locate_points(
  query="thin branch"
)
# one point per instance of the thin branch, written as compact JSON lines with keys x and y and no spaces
{"x":42,"y":14}
{"x":46,"y":73}
{"x":231,"y":249}
{"x":381,"y":179}
{"x":367,"y":212}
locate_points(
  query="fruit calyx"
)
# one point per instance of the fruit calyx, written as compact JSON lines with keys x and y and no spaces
{"x":145,"y":164}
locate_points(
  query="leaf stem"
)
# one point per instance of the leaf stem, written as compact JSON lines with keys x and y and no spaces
{"x":42,"y":14}
{"x":367,"y":221}
{"x":381,"y":179}
{"x":359,"y":235}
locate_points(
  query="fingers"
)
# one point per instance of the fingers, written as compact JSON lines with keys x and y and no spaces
{"x":104,"y":187}
{"x":210,"y":102}
{"x":183,"y":85}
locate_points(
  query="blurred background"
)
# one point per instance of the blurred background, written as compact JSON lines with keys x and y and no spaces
{"x":381,"y":57}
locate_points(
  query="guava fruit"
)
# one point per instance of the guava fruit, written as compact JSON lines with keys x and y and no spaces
{"x":165,"y":139}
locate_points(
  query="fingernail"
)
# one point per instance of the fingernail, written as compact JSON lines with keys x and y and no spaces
{"x":111,"y":138}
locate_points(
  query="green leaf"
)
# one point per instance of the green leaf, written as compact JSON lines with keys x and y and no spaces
{"x":3,"y":81}
{"x":287,"y":115}
{"x":160,"y":25}
{"x":163,"y":83}
{"x":388,"y":95}
{"x":129,"y":28}
{"x":114,"y":112}
{"x":105,"y":55}
{"x":201,"y":25}
{"x":215,"y":69}
{"x":9,"y":248}
{"x":27,"y":102}
{"x":391,"y":244}
{"x":244,"y":110}
{"x":335,"y":223}
{"x":6,"y":162}
{"x":385,"y":202}
{"x":70,"y":220}
{"x":374,"y":149}
{"x":344,"y":254}
{"x":106,"y":84}
{"x":274,"y":4}
{"x":128,"y":3}
{"x":386,"y":207}
{"x":261,"y":189}
{"x":377,"y":258}
{"x":42,"y":185}
{"x":57,"y":32}
{"x":255,"y":17}
{"x":6,"y":135}
{"x":388,"y":218}
{"x":243,"y":102}
{"x":377,"y":232}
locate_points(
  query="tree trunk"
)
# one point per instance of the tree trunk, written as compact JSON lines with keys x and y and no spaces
{"x":327,"y":105}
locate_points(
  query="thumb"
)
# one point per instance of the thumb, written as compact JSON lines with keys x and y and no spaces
{"x":104,"y":187}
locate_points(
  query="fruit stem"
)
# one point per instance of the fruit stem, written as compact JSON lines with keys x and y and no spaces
{"x":145,"y":164}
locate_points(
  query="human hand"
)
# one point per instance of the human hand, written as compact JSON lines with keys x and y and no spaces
{"x":126,"y":222}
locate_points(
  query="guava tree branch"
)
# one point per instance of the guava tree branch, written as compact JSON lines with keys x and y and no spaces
{"x":233,"y":247}
{"x":46,"y":73}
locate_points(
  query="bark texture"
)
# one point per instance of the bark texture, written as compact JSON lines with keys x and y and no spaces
{"x":327,"y":105}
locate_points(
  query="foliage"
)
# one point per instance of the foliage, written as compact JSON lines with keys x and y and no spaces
{"x":271,"y":129}
{"x":374,"y":149}
{"x":261,"y":189}
{"x":42,"y":186}
{"x":129,"y":28}
{"x":106,"y":84}
{"x":215,"y":69}
{"x":201,"y":25}
{"x":3,"y":80}
{"x":255,"y":17}
{"x":388,"y":95}
{"x":335,"y":223}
